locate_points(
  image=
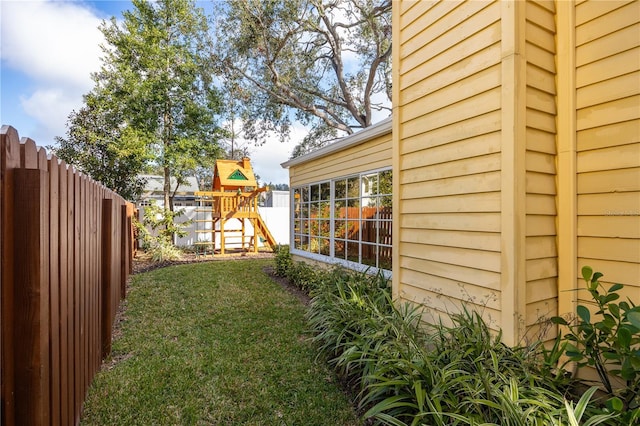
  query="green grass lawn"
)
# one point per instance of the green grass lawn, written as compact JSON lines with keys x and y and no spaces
{"x":215,"y":343}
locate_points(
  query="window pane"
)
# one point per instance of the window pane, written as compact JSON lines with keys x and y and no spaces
{"x":368,"y":232}
{"x":305,"y":227}
{"x":353,"y":187}
{"x":297,"y":226}
{"x":314,"y":207}
{"x":386,"y":201}
{"x":353,"y":250}
{"x":370,"y":184}
{"x":385,"y":182}
{"x":384,"y":258}
{"x":324,"y":246}
{"x":315,"y":192}
{"x":325,"y":191}
{"x":296,"y":242}
{"x":339,"y":249}
{"x":340,"y":229}
{"x":315,"y":245}
{"x":353,"y":229}
{"x":353,"y":211}
{"x":339,"y":211}
{"x":341,"y":188}
{"x":304,"y":243}
{"x":369,"y":254}
{"x":304,"y":192}
{"x":324,"y":228}
{"x":324,"y":210}
{"x":384,"y":232}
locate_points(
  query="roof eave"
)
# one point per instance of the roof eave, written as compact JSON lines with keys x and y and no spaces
{"x":379,"y":129}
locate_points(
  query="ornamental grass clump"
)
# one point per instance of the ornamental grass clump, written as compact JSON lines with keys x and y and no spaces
{"x":456,"y":372}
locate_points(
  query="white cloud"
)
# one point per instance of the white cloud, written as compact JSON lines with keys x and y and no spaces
{"x":52,"y":42}
{"x":56,"y":46}
{"x":50,"y":107}
{"x":266,"y":159}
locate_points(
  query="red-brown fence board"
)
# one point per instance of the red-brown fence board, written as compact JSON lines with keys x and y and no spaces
{"x":66,"y":249}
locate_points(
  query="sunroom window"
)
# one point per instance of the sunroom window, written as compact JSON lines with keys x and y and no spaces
{"x":348,"y":219}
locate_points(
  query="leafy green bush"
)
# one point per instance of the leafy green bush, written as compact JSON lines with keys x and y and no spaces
{"x":162,"y":222}
{"x":406,"y":372}
{"x":608,"y":341}
{"x":283,"y":260}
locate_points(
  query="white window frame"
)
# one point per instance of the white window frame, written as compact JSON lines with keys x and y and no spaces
{"x":331,"y":259}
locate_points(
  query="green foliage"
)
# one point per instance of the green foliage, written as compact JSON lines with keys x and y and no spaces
{"x":325,"y":61}
{"x":98,"y":146}
{"x":457,"y":372}
{"x":159,"y":242}
{"x":153,"y":103}
{"x":607,"y":339}
{"x":283,"y":260}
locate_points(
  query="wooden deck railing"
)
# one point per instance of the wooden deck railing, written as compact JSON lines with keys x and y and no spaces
{"x":66,"y":249}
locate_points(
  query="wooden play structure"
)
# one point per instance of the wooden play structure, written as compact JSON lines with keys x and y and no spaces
{"x":234,"y":197}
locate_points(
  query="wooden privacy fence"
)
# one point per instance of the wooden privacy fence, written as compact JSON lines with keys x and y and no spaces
{"x":66,"y":250}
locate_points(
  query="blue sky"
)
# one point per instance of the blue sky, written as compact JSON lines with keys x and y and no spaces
{"x":48,"y":49}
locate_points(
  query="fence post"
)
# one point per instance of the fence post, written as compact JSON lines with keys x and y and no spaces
{"x":30,"y":307}
{"x":9,"y":160}
{"x":107,"y":225}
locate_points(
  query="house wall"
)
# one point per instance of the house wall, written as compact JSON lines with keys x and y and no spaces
{"x":606,"y":49}
{"x":504,"y":186}
{"x":448,"y":155}
{"x":369,"y":155}
{"x":372,"y":154}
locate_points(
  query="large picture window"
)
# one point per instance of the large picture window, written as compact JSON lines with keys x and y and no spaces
{"x":348,"y":218}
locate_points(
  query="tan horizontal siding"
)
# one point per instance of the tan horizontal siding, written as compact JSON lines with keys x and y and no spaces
{"x":541,"y":141}
{"x":370,"y":155}
{"x":454,"y":168}
{"x":607,"y":181}
{"x":617,"y":111}
{"x":537,"y":225}
{"x":485,"y":126}
{"x":614,"y":225}
{"x":481,"y":182}
{"x":626,"y":273}
{"x":588,"y":11}
{"x":610,"y":158}
{"x":537,"y":204}
{"x":607,"y":68}
{"x":478,"y":203}
{"x":608,"y":204}
{"x":476,"y":146}
{"x":608,"y":141}
{"x":439,"y":38}
{"x":428,"y":80}
{"x":542,"y":289}
{"x":477,"y":221}
{"x":609,"y":135}
{"x":434,"y":285}
{"x":425,"y":67}
{"x":609,"y":45}
{"x":480,"y":82}
{"x":607,"y":23}
{"x":609,"y":90}
{"x":480,"y":104}
{"x":468,"y":240}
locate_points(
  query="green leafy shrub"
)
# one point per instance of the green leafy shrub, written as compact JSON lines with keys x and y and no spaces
{"x":283,"y":260}
{"x":406,"y":372}
{"x":162,"y":224}
{"x":608,"y":341}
